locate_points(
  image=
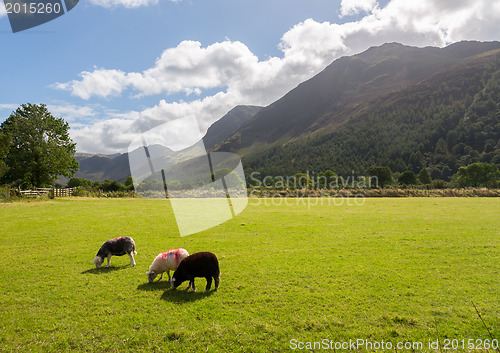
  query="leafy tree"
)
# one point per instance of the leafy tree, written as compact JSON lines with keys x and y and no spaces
{"x":327,"y":180}
{"x":83,"y":183}
{"x":424,"y":176}
{"x":478,"y":174}
{"x":129,"y":183}
{"x":40,"y":148}
{"x":111,"y":185}
{"x":407,"y":178}
{"x":383,"y":175}
{"x":4,"y":149}
{"x":302,"y":180}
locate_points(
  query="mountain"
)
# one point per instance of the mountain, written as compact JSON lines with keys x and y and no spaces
{"x":116,"y":166}
{"x":395,"y":105}
{"x":392,"y":105}
{"x":101,"y":166}
{"x":228,"y":124}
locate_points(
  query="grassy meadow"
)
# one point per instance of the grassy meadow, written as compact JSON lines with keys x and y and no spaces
{"x":397,"y":270}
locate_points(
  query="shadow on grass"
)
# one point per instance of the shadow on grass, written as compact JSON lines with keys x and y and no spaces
{"x":98,"y":271}
{"x":182,"y":296}
{"x":158,"y":285}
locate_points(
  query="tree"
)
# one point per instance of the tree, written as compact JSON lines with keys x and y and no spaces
{"x":327,"y":180}
{"x":4,"y":149}
{"x":424,"y":176}
{"x":302,"y":181}
{"x":407,"y":178}
{"x":382,"y":175}
{"x":478,"y":174}
{"x":40,"y":148}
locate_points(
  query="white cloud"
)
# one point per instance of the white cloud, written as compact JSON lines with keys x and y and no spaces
{"x":70,"y":112}
{"x":129,"y":4}
{"x":9,"y":106}
{"x":100,"y":82}
{"x":239,"y":77}
{"x":354,"y":7}
{"x":125,"y":3}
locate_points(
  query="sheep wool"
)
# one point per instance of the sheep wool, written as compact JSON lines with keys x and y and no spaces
{"x":166,"y":262}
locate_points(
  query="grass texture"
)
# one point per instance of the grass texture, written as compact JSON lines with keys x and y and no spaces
{"x":394,"y":270}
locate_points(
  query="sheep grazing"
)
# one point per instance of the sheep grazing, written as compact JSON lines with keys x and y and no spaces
{"x":200,"y":264}
{"x":166,"y":262}
{"x":117,"y":247}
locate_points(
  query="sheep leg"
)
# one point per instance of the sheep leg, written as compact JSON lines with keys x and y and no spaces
{"x":217,"y":280}
{"x":191,"y":285}
{"x":161,"y":276}
{"x":209,"y":283}
{"x":109,"y":260}
{"x":132,"y":261}
{"x":168,"y":273}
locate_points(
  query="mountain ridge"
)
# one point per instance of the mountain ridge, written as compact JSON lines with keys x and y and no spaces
{"x":343,"y":89}
{"x":395,"y":105}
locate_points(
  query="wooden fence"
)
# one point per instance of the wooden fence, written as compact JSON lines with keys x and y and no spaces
{"x":49,"y":192}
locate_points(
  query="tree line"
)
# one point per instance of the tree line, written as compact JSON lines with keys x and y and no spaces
{"x":475,"y":175}
{"x":36,"y":149}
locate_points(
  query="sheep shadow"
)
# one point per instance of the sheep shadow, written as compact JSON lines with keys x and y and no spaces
{"x":183,"y":296}
{"x":99,"y":271}
{"x":157,"y":285}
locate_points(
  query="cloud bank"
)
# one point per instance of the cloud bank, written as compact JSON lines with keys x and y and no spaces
{"x":237,"y":75}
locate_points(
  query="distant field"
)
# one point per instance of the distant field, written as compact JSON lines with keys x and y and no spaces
{"x":392,"y":270}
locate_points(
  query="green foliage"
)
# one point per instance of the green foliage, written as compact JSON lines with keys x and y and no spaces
{"x":105,"y":186}
{"x":407,"y":178}
{"x":383,"y":175}
{"x":327,"y":180}
{"x":40,"y":148}
{"x":478,"y":174}
{"x":4,"y":150}
{"x":424,"y":177}
{"x":303,"y":181}
{"x":83,"y":183}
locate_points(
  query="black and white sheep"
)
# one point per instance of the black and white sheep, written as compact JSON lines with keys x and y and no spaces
{"x":200,"y":264}
{"x":166,"y":262}
{"x":116,"y":247}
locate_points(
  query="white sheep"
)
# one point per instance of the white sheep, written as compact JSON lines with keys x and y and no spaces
{"x":166,"y":262}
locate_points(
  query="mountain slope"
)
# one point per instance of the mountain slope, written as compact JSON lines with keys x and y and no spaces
{"x":346,"y":89}
{"x":444,"y":118}
{"x":229,"y":124}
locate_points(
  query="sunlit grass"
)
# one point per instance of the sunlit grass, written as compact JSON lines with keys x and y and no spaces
{"x":390,"y":269}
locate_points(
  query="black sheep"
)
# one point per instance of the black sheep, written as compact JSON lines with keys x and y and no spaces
{"x":117,"y":247}
{"x":200,"y":264}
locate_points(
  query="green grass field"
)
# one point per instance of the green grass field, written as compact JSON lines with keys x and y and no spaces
{"x":393,"y":270}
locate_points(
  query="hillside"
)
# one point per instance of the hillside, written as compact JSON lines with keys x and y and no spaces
{"x":116,"y":167}
{"x":229,"y":124}
{"x":392,"y":105}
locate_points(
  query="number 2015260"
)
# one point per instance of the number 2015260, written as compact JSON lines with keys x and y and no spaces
{"x":32,"y":8}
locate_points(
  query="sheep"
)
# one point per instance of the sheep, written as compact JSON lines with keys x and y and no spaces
{"x":117,"y":247}
{"x":166,"y":262}
{"x":200,"y":264}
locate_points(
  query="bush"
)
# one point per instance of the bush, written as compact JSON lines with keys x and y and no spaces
{"x":407,"y":178}
{"x":477,"y":175}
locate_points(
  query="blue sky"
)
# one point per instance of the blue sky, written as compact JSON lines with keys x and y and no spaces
{"x":113,"y":68}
